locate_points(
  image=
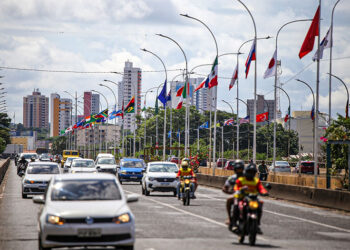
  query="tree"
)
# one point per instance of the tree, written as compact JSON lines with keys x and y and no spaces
{"x":58,"y":144}
{"x":4,"y":131}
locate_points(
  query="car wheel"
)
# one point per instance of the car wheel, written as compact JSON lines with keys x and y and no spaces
{"x":24,"y":196}
{"x":125,"y":247}
{"x":141,"y":182}
{"x":142,"y":189}
{"x":147,"y":192}
{"x":175,"y":193}
{"x":40,"y":245}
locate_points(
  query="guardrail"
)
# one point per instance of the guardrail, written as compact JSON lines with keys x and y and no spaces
{"x":3,"y":168}
{"x":313,"y":196}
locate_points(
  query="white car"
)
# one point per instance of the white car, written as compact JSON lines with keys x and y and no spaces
{"x":106,"y":165}
{"x":82,"y":166}
{"x":37,"y":176}
{"x":68,"y":163}
{"x":85,"y":210}
{"x":28,"y":156}
{"x":103,"y":155}
{"x":161,"y":177}
{"x":280,"y":166}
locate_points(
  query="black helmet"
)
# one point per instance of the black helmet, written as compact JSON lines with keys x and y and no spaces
{"x":250,"y":171}
{"x":238,"y":165}
{"x":23,"y":158}
{"x":32,"y":158}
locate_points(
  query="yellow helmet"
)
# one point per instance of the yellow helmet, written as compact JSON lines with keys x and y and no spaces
{"x":184,"y":164}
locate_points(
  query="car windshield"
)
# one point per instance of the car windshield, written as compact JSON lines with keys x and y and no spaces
{"x":28,"y":156}
{"x":83,"y":164}
{"x":74,"y":153}
{"x":79,"y":190}
{"x":164,"y":168}
{"x":308,"y":164}
{"x":106,"y":161}
{"x":45,"y":156}
{"x":282,"y":163}
{"x":43,"y":169}
{"x":132,"y":164}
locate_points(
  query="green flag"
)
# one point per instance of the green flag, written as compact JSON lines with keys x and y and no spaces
{"x":144,"y":109}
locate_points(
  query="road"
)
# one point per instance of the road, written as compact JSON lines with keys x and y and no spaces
{"x":163,"y":223}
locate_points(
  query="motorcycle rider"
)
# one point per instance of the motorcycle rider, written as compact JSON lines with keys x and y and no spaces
{"x":185,"y":171}
{"x":263,"y":171}
{"x":32,"y":159}
{"x":20,"y":162}
{"x":251,"y":185}
{"x":238,"y":167}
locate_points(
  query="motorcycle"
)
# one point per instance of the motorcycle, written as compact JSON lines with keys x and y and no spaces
{"x":185,"y":190}
{"x":21,"y":169}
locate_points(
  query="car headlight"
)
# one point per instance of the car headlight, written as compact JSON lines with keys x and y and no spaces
{"x":151,"y":178}
{"x":29,"y":182}
{"x":124,"y":218}
{"x":73,"y":171}
{"x":55,"y":220}
{"x":123,"y":172}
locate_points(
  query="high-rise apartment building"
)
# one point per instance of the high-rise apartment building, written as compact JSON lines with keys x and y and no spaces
{"x":130,"y":86}
{"x":262,"y":106}
{"x":91,"y":103}
{"x":60,"y":114}
{"x":36,"y":110}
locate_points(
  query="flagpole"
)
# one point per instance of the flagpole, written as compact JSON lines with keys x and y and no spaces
{"x":233,"y":141}
{"x":165,"y":83}
{"x":330,"y":69}
{"x":317,"y":96}
{"x":106,"y":133}
{"x":275,"y":89}
{"x":255,"y":79}
{"x":216,"y":87}
{"x":186,"y":80}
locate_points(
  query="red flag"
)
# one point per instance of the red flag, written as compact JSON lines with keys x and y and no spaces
{"x":286,"y":118}
{"x":262,"y":117}
{"x":179,"y":91}
{"x":309,"y":40}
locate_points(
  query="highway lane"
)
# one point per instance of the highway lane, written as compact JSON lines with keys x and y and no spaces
{"x":162,"y":222}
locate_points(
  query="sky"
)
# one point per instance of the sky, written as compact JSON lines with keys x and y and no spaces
{"x":100,"y":35}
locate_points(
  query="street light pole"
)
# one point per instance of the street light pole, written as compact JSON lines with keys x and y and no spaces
{"x":347,"y":91}
{"x":289,"y":108}
{"x":149,"y":90}
{"x":233,"y":141}
{"x":106,"y":133}
{"x":166,"y":79}
{"x":248,"y":110}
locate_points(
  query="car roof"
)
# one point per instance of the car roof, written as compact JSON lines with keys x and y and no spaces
{"x":131,"y":159}
{"x":104,"y":154}
{"x":85,"y":176}
{"x":42,"y":163}
{"x":162,"y":162}
{"x":307,"y":161}
{"x":82,"y":159}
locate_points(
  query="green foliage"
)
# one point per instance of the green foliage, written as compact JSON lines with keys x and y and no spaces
{"x":58,"y":144}
{"x":4,"y":131}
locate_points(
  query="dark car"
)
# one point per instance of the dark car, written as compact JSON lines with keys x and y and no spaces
{"x":175,"y":160}
{"x":221,"y":162}
{"x":306,"y":167}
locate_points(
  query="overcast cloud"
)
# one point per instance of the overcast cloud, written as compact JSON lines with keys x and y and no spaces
{"x":100,"y":35}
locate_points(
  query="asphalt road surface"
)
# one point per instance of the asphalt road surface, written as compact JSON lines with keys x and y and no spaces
{"x":162,"y":222}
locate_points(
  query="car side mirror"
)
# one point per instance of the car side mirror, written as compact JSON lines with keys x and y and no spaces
{"x":98,"y":167}
{"x":132,"y":198}
{"x":39,"y":199}
{"x":143,"y":171}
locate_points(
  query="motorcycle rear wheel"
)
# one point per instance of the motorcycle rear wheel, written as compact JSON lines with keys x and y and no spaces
{"x":188,"y":197}
{"x":252,"y":232}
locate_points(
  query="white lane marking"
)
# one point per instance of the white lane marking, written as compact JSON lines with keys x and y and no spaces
{"x":309,"y":221}
{"x":296,"y":218}
{"x":189,"y":213}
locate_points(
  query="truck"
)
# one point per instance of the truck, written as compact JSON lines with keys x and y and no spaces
{"x":11,"y":150}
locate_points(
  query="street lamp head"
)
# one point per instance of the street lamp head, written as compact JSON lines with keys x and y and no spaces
{"x":268,"y":37}
{"x":101,"y":84}
{"x":144,"y":50}
{"x":160,"y":35}
{"x":185,"y":15}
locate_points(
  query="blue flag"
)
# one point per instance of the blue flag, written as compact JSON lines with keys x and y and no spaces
{"x":178,"y":134}
{"x":168,"y":97}
{"x":163,"y":96}
{"x":204,"y":125}
{"x":169,"y":134}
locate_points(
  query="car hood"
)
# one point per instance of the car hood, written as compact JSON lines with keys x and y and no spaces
{"x":107,"y":166}
{"x":131,"y":169}
{"x":77,"y":209}
{"x":161,"y":175}
{"x":84,"y":169}
{"x":38,"y":177}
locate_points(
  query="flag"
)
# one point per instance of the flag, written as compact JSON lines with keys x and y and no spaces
{"x":213,"y":77}
{"x":168,"y":97}
{"x":347,"y":109}
{"x":130,"y":108}
{"x":185,"y":90}
{"x":229,"y":122}
{"x":179,"y":91}
{"x":169,"y":134}
{"x":325,"y":44}
{"x":178,"y":134}
{"x":309,"y":40}
{"x":144,"y":108}
{"x":287,"y":115}
{"x":204,"y":125}
{"x":312,"y":113}
{"x":102,"y":114}
{"x":162,"y":96}
{"x":244,"y":120}
{"x":251,"y":57}
{"x":179,"y":105}
{"x":115,"y":114}
{"x":234,"y":78}
{"x":203,"y":84}
{"x":263,"y":117}
{"x":217,"y":125}
{"x":271,"y":69}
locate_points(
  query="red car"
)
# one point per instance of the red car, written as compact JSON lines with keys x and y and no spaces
{"x":229,"y":165}
{"x":306,"y":167}
{"x":221,"y":162}
{"x":175,"y":160}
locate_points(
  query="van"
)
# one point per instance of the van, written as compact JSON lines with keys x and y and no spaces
{"x":69,"y":153}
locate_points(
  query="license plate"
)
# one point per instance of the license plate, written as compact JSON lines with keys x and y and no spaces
{"x":165,"y":184}
{"x":133,"y":177}
{"x":89,"y":233}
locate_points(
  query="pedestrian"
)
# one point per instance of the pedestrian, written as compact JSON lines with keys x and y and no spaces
{"x":263,"y":171}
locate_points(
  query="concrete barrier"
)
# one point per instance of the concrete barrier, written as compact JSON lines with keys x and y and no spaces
{"x":318,"y":197}
{"x":3,"y":168}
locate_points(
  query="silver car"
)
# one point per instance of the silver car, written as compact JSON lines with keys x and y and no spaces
{"x":280,"y":166}
{"x":161,"y":177}
{"x":37,"y":176}
{"x":68,"y":163}
{"x":82,"y":166}
{"x":106,"y":165}
{"x":85,"y":210}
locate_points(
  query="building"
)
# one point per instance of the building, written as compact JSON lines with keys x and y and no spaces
{"x":91,"y":103}
{"x":303,"y":125}
{"x":60,"y":114}
{"x":36,"y":110}
{"x":262,"y":107}
{"x":26,"y":138}
{"x":130,"y":86}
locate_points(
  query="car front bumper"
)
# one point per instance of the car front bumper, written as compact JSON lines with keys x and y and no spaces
{"x":161,"y":186}
{"x":33,"y":189}
{"x":130,"y":177}
{"x":67,"y":235}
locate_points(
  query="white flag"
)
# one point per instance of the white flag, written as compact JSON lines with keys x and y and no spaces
{"x":325,"y":44}
{"x":271,"y":69}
